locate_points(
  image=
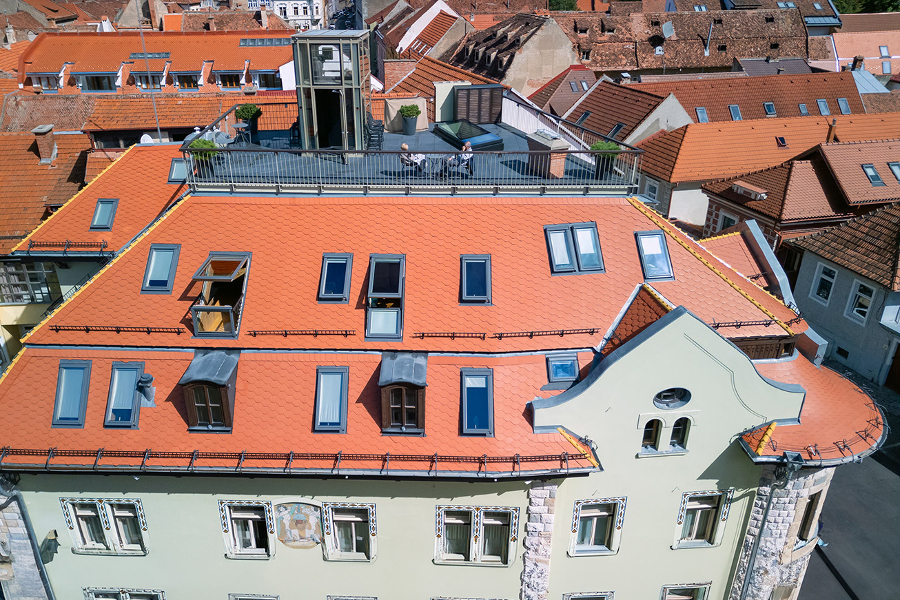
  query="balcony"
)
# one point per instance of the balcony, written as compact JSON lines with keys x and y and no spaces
{"x":266,"y":158}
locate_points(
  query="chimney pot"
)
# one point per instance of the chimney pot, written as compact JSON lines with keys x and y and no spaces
{"x":46,"y":144}
{"x":831,"y":131}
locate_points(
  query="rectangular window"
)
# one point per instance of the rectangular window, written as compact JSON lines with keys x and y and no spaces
{"x":769,"y":107}
{"x":457,"y":535}
{"x":700,"y":519}
{"x":466,"y":535}
{"x":735,"y":111}
{"x":106,"y":526}
{"x":895,"y":169}
{"x":617,"y":128}
{"x":700,"y":8}
{"x":574,"y":248}
{"x":123,"y":405}
{"x":595,"y":526}
{"x":152,"y":81}
{"x":804,"y":112}
{"x":127,"y":527}
{"x":28,"y":283}
{"x":249,"y":533}
{"x":72,"y":386}
{"x":384,"y":315}
{"x":177,"y":171}
{"x":162,"y":261}
{"x":872,"y":173}
{"x":651,"y":188}
{"x":844,"y":106}
{"x":104,"y":214}
{"x":823,"y":283}
{"x":817,"y":6}
{"x":188,"y":82}
{"x":702,"y":117}
{"x":123,"y":594}
{"x":884,"y":51}
{"x":885,"y":67}
{"x":860,"y":302}
{"x":403,"y":409}
{"x":823,"y":107}
{"x":477,"y":401}
{"x":351,"y":534}
{"x":574,"y":86}
{"x":562,"y":367}
{"x":98,"y":83}
{"x":206,"y":408}
{"x":654,"y":254}
{"x":216,"y":312}
{"x":809,"y":525}
{"x":686,"y":592}
{"x":229,"y":80}
{"x":726,"y":221}
{"x":584,"y":85}
{"x":334,"y":282}
{"x":331,"y":399}
{"x":89,"y":527}
{"x":495,"y":530}
{"x":585,"y":55}
{"x":476,"y":278}
{"x":269,"y":81}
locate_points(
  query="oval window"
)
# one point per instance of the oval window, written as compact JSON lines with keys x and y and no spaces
{"x":672,"y":398}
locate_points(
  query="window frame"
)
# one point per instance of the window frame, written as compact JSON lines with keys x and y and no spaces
{"x":387,"y":422}
{"x":568,"y":357}
{"x":85,"y":365}
{"x":464,"y":410}
{"x":329,"y":530}
{"x":226,"y":518}
{"x":717,"y":523}
{"x":574,"y":86}
{"x":573,"y":248}
{"x":132,"y":423}
{"x":849,"y":313}
{"x":221,"y":82}
{"x":234,"y":310}
{"x":822,"y":103}
{"x":113,"y":539}
{"x":651,"y":446}
{"x":844,"y":106}
{"x":194,"y":419}
{"x":702,"y":115}
{"x":372,"y":298}
{"x":473,"y":299}
{"x":121,"y":593}
{"x":735,"y":109}
{"x":649,"y":181}
{"x":680,"y":445}
{"x":817,"y":277}
{"x":614,"y":535}
{"x":874,"y":176}
{"x":108,"y":225}
{"x":173,"y":267}
{"x":727,"y":215}
{"x":769,"y":108}
{"x":28,"y":282}
{"x":616,"y":130}
{"x":895,"y":169}
{"x":172,"y":167}
{"x":638,"y":236}
{"x":804,"y":111}
{"x":704,"y":587}
{"x":179,"y":84}
{"x":335,"y":257}
{"x":477,"y":555}
{"x":341,"y":426}
{"x":884,"y":52}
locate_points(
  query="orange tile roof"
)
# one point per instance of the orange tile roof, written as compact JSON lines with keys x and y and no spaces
{"x":141,"y":200}
{"x":8,"y":85}
{"x":870,"y":22}
{"x":733,"y":250}
{"x":105,"y":52}
{"x":707,"y":151}
{"x":845,"y":162}
{"x":113,"y":113}
{"x":51,"y":10}
{"x":484,"y":21}
{"x":867,"y":44}
{"x":420,"y":81}
{"x":433,"y":32}
{"x":9,"y":58}
{"x":172,"y":22}
{"x":610,"y":104}
{"x":22,"y":20}
{"x":786,"y":92}
{"x":377,"y":106}
{"x":98,"y":160}
{"x":838,"y":419}
{"x":28,"y":187}
{"x":646,"y":308}
{"x":557,"y":96}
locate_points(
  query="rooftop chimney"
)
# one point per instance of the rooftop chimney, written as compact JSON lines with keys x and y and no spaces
{"x":857,"y":63}
{"x":779,"y":70}
{"x":263,"y":17}
{"x":10,"y":34}
{"x":831,"y":130}
{"x":211,"y":22}
{"x":45,"y":143}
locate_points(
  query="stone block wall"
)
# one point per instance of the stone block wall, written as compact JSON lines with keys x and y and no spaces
{"x":20,"y":578}
{"x":538,"y":535}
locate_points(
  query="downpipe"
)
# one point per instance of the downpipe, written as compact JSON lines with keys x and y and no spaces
{"x":9,"y":489}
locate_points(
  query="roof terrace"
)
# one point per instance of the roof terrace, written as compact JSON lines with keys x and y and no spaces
{"x":524,"y":150}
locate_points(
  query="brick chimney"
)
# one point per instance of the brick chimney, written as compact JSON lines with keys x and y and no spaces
{"x":831,"y":129}
{"x":211,"y":22}
{"x":857,"y":63}
{"x":46,"y":144}
{"x":263,"y":17}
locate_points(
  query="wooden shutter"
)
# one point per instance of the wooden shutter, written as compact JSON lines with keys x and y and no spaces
{"x":479,"y":103}
{"x":386,"y":407}
{"x":421,"y":408}
{"x":227,"y":406}
{"x":189,"y":404}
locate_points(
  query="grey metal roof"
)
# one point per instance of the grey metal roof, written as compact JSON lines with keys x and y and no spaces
{"x":214,"y":366}
{"x":403,"y":367}
{"x":822,"y":21}
{"x":332,"y":33}
{"x":866,"y":83}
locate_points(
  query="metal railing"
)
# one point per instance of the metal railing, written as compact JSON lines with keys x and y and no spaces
{"x":272,"y":165}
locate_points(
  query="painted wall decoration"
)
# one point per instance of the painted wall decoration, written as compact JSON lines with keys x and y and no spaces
{"x":298,"y":525}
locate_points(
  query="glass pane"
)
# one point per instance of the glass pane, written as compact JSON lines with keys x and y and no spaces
{"x":386,"y":277}
{"x":223,"y":268}
{"x":496,"y":538}
{"x":824,"y":289}
{"x":655,"y":261}
{"x":335,"y":275}
{"x":477,"y":417}
{"x":68,"y":405}
{"x":344,"y":536}
{"x":130,"y":530}
{"x":384,"y":321}
{"x":559,"y":249}
{"x":124,"y":387}
{"x":588,"y":251}
{"x":563,"y":369}
{"x":457,"y":533}
{"x":585,"y":531}
{"x":199,"y":394}
{"x":476,"y":279}
{"x":687,"y":529}
{"x":102,"y":214}
{"x":601,"y":528}
{"x":243,"y":533}
{"x":704,"y":520}
{"x":160,"y":265}
{"x":330,"y":391}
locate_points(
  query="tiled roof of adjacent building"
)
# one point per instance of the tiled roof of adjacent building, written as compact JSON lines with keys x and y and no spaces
{"x":557,"y":95}
{"x":431,"y":34}
{"x":611,"y":104}
{"x":491,"y":52}
{"x":420,"y":81}
{"x":9,"y":57}
{"x":776,"y":66}
{"x":785,"y":92}
{"x":116,"y":113}
{"x":230,"y":20}
{"x":870,"y":22}
{"x":51,"y":10}
{"x":881,"y":103}
{"x":816,"y":12}
{"x":868,"y":45}
{"x":845,"y":161}
{"x":21,"y":21}
{"x":732,"y":249}
{"x":707,"y":151}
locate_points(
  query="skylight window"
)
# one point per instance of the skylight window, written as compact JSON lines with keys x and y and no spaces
{"x":477,"y":401}
{"x":384,"y":315}
{"x":654,"y":255}
{"x":574,"y":248}
{"x":804,"y":112}
{"x":872,"y":173}
{"x":699,"y":8}
{"x":823,"y":107}
{"x":884,"y":51}
{"x":122,"y":407}
{"x":616,"y":130}
{"x":584,"y":85}
{"x":574,"y":86}
{"x":162,"y":261}
{"x":178,"y":171}
{"x":331,"y":399}
{"x":104,"y":214}
{"x":72,"y":385}
{"x":895,"y":169}
{"x":217,"y":310}
{"x":817,"y":6}
{"x":476,"y":278}
{"x":844,"y":106}
{"x":562,"y":368}
{"x":702,"y":117}
{"x":147,"y":55}
{"x":735,"y":111}
{"x":769,"y":107}
{"x":885,"y":67}
{"x":334,"y":282}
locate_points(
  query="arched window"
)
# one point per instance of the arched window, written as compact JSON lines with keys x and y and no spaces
{"x":680,"y":433}
{"x":651,"y":435}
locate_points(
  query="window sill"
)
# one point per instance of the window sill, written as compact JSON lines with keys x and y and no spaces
{"x":101,"y":552}
{"x":234,"y":556}
{"x":206,"y":429}
{"x":347,"y":557}
{"x":861,"y":323}
{"x":692,"y":545}
{"x":469,"y":563}
{"x":592,"y":552}
{"x":820,"y":300}
{"x":655,"y":453}
{"x":407,"y":432}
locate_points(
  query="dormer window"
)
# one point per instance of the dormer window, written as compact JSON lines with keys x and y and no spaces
{"x":334,"y":283}
{"x":562,"y":368}
{"x":104,"y":214}
{"x":217,"y":310}
{"x":187,"y":81}
{"x":97,"y":83}
{"x":208,"y":386}
{"x":699,"y":8}
{"x":574,"y":248}
{"x":654,"y":255}
{"x":153,"y":81}
{"x":384,"y":313}
{"x":229,"y":80}
{"x":403,"y":380}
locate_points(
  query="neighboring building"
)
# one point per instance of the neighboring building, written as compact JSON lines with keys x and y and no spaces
{"x":299,"y":14}
{"x":770,"y":66}
{"x":524,"y":52}
{"x":772,"y":96}
{"x":849,"y":289}
{"x":820,"y":16}
{"x":678,"y":162}
{"x":637,"y":44}
{"x":232,"y":20}
{"x":102,"y":63}
{"x":559,"y":94}
{"x":430,"y":30}
{"x":879,"y":46}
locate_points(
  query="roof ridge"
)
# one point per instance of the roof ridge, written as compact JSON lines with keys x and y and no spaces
{"x":718,"y":237}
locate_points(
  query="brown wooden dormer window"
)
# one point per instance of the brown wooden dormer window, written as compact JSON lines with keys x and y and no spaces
{"x":403,"y":409}
{"x":207,"y":406}
{"x":208,"y":386}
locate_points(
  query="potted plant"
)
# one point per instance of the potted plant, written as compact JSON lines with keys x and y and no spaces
{"x":247,"y":112}
{"x":410,"y":114}
{"x":605,"y":154}
{"x":205,"y":150}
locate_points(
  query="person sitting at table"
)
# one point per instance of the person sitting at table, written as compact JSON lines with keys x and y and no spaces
{"x":412,"y":160}
{"x":463,"y":160}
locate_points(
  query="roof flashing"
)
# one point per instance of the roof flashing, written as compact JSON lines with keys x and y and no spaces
{"x":212,"y":366}
{"x":403,"y":367}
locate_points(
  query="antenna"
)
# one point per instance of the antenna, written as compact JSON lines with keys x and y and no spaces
{"x":147,"y":65}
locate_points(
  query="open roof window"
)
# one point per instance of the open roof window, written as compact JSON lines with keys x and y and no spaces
{"x":574,"y":248}
{"x":654,"y":252}
{"x":217,"y":310}
{"x":104,"y":214}
{"x":123,"y":405}
{"x":769,"y":107}
{"x":477,"y":401}
{"x":616,"y":130}
{"x":384,"y":314}
{"x":735,"y":111}
{"x":475,"y":282}
{"x":162,"y":261}
{"x":872,"y":173}
{"x":334,"y":283}
{"x":823,"y":107}
{"x":178,"y":171}
{"x":844,"y":106}
{"x":702,"y":117}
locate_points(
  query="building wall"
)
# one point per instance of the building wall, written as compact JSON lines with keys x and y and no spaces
{"x":668,"y":116}
{"x":451,"y":39}
{"x":714,"y":213}
{"x":689,"y":203}
{"x":20,"y":577}
{"x":544,"y":56}
{"x":868,"y":346}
